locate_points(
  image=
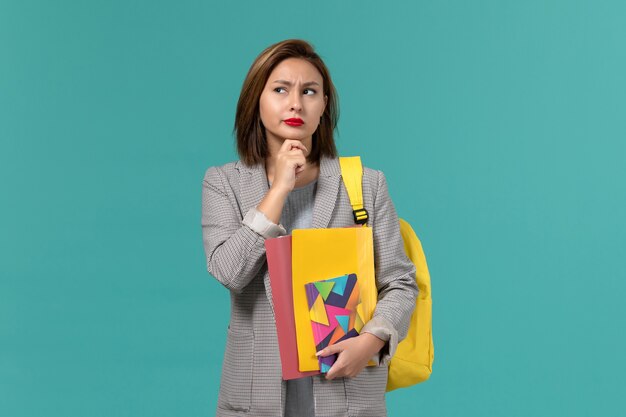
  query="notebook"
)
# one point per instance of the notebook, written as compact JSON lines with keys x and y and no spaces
{"x":335,"y":311}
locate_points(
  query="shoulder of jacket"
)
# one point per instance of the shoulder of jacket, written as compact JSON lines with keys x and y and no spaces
{"x":371,"y":172}
{"x":372,"y":176}
{"x":219,"y":175}
{"x":225,"y":169}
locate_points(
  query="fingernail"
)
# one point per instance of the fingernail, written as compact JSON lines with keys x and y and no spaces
{"x":318,"y":353}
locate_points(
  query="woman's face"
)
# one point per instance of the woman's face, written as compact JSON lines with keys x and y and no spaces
{"x":294,"y":90}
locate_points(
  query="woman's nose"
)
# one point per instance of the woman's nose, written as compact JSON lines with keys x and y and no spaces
{"x":296,"y":103}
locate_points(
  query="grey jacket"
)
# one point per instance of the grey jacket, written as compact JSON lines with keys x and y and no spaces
{"x":251,"y":381}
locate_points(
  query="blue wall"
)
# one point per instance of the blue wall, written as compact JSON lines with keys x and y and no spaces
{"x":500,"y":127}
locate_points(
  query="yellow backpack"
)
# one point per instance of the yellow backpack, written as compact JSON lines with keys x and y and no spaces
{"x":413,"y":360}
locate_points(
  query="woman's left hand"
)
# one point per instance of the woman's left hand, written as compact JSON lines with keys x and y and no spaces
{"x":353,"y":354}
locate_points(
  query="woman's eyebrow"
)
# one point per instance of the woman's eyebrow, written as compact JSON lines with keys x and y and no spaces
{"x":290,"y":84}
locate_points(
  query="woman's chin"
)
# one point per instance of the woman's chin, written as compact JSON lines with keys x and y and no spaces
{"x":292,"y":133}
{"x":295,"y":136}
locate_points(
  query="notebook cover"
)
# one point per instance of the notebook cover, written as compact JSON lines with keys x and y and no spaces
{"x":333,"y":307}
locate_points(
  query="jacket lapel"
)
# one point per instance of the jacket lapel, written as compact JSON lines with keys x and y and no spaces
{"x":253,"y":185}
{"x":328,"y":185}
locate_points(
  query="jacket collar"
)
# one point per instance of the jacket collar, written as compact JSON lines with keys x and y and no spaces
{"x":254,"y":186}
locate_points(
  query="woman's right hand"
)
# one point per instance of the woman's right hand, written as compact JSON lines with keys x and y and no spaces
{"x":290,"y":161}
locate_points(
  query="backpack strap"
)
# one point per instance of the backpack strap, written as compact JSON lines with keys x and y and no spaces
{"x":352,"y":174}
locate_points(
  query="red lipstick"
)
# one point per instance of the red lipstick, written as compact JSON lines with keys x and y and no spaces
{"x":294,"y":122}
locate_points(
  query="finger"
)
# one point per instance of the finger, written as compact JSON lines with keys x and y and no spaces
{"x":329,"y":350}
{"x":297,"y":164}
{"x":292,"y":156}
{"x":302,"y":148}
{"x":290,"y":144}
{"x":293,"y":160}
{"x":295,"y":152}
{"x":287,"y":143}
{"x":335,"y":371}
{"x":300,"y":167}
{"x":296,"y":160}
{"x":298,"y":145}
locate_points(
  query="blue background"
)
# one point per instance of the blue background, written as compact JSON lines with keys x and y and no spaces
{"x":500,"y":127}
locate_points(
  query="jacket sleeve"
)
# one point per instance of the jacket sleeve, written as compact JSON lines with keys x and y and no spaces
{"x":395,"y":276}
{"x":235,"y":250}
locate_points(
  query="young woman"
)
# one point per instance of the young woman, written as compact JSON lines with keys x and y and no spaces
{"x":288,"y":177}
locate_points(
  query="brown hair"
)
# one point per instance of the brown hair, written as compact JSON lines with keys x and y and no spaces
{"x":250,"y":132}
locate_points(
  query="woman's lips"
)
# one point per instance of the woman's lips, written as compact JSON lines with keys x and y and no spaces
{"x":294,"y":122}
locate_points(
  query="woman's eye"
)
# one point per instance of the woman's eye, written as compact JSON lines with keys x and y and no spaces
{"x":307,"y":91}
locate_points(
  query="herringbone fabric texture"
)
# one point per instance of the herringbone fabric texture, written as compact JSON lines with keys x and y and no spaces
{"x":251,"y":382}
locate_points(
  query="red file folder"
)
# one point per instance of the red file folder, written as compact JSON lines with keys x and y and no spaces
{"x":278,"y":251}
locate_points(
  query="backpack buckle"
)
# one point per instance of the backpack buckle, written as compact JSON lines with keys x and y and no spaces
{"x":360,"y":216}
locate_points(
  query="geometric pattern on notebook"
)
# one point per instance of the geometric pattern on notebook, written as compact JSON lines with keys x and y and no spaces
{"x":336,"y":313}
